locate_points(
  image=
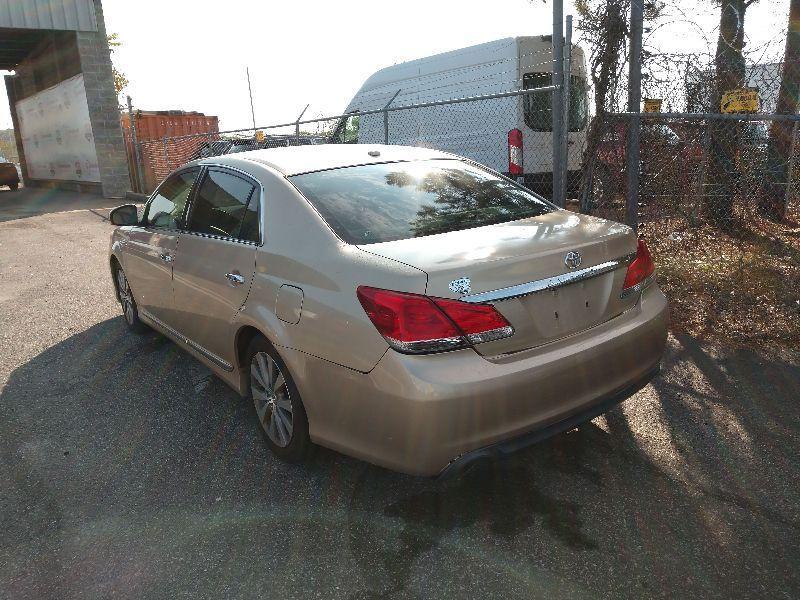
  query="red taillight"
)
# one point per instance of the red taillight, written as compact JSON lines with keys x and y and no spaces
{"x":515,"y":152}
{"x":640,"y":269}
{"x":418,"y":324}
{"x":479,"y":322}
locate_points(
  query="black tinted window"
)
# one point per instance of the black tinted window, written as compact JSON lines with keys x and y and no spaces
{"x":167,"y":206}
{"x":221,"y":205}
{"x":250,"y":221}
{"x":537,"y":107}
{"x":394,"y":201}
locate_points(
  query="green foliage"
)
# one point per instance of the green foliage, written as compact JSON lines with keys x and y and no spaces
{"x":8,"y":146}
{"x":120,"y":81}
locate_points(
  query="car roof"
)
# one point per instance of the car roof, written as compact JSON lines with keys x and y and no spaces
{"x":293,"y":160}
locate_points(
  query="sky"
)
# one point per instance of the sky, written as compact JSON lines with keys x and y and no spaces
{"x":192,"y":54}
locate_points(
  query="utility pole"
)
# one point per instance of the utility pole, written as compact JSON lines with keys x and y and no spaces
{"x":634,"y":108}
{"x":250,"y":89}
{"x":562,"y":194}
{"x":558,"y":99}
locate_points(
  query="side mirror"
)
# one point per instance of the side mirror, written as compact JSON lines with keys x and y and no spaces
{"x":124,"y":215}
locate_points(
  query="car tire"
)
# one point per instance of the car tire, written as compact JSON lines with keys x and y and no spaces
{"x":277,"y":404}
{"x":130,"y":312}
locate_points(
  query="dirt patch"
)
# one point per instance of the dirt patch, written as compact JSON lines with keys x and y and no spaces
{"x":740,"y":287}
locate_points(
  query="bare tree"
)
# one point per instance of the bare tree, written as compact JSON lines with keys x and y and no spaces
{"x":603,"y":25}
{"x":604,"y":30}
{"x":724,"y":136}
{"x":774,"y":197}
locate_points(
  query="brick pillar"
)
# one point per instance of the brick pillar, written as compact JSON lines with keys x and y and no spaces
{"x":12,"y":104}
{"x":98,"y":78}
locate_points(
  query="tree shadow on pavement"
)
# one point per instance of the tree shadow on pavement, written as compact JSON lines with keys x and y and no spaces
{"x":128,"y":469}
{"x":689,"y":488}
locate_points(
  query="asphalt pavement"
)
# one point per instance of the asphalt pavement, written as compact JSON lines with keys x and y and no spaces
{"x":128,"y":471}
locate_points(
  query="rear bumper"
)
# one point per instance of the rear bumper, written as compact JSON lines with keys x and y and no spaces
{"x":419,"y":414}
{"x":506,"y":447}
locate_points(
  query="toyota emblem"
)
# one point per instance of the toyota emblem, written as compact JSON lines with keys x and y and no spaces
{"x":573,"y":259}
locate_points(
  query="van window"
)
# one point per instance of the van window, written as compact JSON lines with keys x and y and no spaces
{"x":346,"y":131}
{"x":538,"y":107}
{"x":395,"y":201}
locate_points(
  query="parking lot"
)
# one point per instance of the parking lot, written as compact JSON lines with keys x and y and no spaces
{"x":127,"y":470}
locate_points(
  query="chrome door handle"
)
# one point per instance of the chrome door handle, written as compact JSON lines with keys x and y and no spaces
{"x":168,"y":258}
{"x":234,"y":278}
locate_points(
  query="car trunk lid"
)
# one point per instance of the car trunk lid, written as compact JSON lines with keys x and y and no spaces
{"x":523,"y":261}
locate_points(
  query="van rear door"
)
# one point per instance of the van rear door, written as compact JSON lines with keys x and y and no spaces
{"x":535,"y":71}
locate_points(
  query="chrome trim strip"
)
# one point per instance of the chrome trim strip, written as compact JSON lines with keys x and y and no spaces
{"x":638,"y":287}
{"x":182,"y":338}
{"x":549,"y":283}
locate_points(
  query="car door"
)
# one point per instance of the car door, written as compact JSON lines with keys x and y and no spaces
{"x":217,"y":260}
{"x":151,"y":249}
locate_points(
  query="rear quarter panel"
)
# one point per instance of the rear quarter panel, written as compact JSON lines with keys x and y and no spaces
{"x":300,"y":250}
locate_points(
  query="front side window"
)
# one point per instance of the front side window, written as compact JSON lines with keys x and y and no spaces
{"x":222,"y":207}
{"x":165,"y":210}
{"x":394,"y":201}
{"x":538,"y":107}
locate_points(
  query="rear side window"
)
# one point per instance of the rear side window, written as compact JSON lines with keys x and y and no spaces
{"x":222,"y":207}
{"x":165,"y":210}
{"x":394,"y":201}
{"x":538,"y":107}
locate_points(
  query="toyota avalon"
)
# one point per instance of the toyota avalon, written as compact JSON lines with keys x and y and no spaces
{"x":401,"y":305}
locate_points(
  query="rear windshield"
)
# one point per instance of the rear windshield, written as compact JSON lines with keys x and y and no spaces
{"x":395,"y":201}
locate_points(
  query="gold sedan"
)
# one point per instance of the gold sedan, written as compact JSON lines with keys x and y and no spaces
{"x":401,"y":305}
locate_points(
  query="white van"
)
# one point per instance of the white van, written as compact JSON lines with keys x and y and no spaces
{"x":479,"y":130}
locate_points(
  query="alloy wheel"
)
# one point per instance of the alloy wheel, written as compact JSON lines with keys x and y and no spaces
{"x":125,"y":297}
{"x":271,"y":399}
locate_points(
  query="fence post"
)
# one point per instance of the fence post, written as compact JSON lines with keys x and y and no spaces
{"x":297,"y":123}
{"x":137,"y":156}
{"x":792,"y":153}
{"x":166,"y":155}
{"x":386,"y":118}
{"x":565,"y":104}
{"x":634,"y":108}
{"x":557,"y":99}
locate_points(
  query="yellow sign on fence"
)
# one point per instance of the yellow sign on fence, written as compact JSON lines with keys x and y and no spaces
{"x":743,"y":100}
{"x":259,"y":136}
{"x":652,"y":105}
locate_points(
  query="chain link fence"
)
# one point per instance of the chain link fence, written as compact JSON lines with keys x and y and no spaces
{"x":479,"y":128}
{"x":710,"y":184}
{"x":717,"y":198}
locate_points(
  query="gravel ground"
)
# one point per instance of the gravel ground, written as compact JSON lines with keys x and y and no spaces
{"x":128,"y":471}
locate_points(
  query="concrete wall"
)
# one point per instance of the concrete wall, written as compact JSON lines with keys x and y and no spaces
{"x":104,"y":107}
{"x":59,"y":56}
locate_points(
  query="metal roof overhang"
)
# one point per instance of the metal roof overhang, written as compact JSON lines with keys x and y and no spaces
{"x":16,"y":44}
{"x":64,"y":15}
